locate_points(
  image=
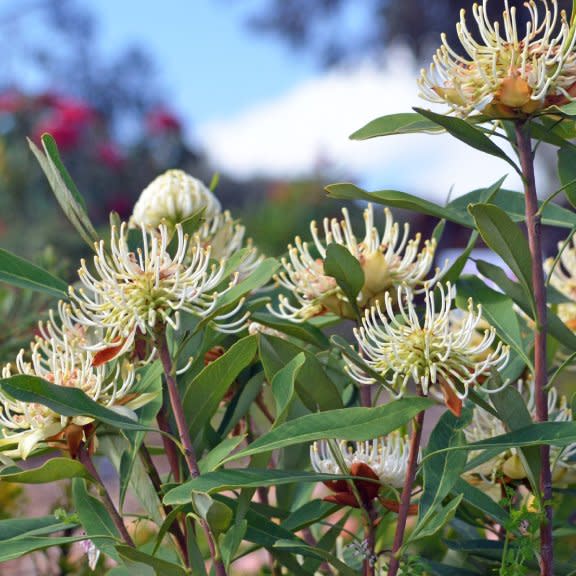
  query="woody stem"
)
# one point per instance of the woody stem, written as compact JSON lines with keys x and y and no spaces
{"x":407,"y":490}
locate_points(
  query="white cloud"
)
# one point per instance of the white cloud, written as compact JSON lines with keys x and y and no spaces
{"x":310,"y":125}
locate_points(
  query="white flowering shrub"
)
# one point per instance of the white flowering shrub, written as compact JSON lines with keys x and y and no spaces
{"x":353,"y":407}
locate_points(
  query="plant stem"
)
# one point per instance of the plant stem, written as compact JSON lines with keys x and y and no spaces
{"x":169,"y":447}
{"x":370,"y":539}
{"x":157,"y":483}
{"x":84,"y":457}
{"x":407,"y":489}
{"x":182,"y":426}
{"x":533,"y":228}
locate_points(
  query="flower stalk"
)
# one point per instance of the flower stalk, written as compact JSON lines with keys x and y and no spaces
{"x":407,"y":490}
{"x":85,"y":458}
{"x":533,"y":228}
{"x":182,"y":427}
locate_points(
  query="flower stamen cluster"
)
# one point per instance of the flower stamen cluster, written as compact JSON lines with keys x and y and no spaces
{"x":387,"y":258}
{"x":431,"y":350}
{"x":505,"y":74}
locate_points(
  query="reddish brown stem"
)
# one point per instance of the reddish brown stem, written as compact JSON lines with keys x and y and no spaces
{"x":169,"y":446}
{"x":407,"y":490}
{"x":533,"y":228}
{"x":84,"y":457}
{"x":184,"y":435}
{"x":157,"y":483}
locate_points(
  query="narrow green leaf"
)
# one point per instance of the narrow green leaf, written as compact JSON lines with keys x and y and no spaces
{"x":305,"y":332}
{"x":514,"y":413}
{"x":507,"y":240}
{"x":19,"y":272}
{"x":261,"y":276}
{"x":13,"y":528}
{"x":346,"y":191}
{"x":467,"y":133}
{"x":314,"y":552}
{"x":95,"y":519}
{"x":497,"y":309}
{"x":230,"y":542}
{"x":442,"y":471}
{"x":567,"y":172}
{"x":275,"y":353}
{"x":346,"y":424}
{"x":436,"y":521}
{"x":203,"y":394}
{"x":64,"y":189}
{"x":63,"y":400}
{"x":161,"y":567}
{"x":403,"y":123}
{"x":53,"y":470}
{"x":212,"y":460}
{"x":308,"y":514}
{"x":18,"y":547}
{"x":453,"y":273}
{"x":481,"y":501}
{"x":283,"y":385}
{"x":231,"y":479}
{"x":346,"y":270}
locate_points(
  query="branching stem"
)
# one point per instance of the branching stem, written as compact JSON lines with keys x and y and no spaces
{"x":533,"y":228}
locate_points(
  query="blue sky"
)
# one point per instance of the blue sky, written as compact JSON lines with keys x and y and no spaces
{"x":209,"y":61}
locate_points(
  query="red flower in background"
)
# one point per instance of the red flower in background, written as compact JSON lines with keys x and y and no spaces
{"x":161,"y":121}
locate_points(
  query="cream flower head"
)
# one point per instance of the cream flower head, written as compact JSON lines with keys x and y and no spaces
{"x":387,"y":456}
{"x":508,"y":463}
{"x":505,"y":74}
{"x":27,"y":425}
{"x":563,"y":278}
{"x":133,"y":291}
{"x":171,"y":198}
{"x":225,"y":236}
{"x":388,"y":258}
{"x":432,"y":350}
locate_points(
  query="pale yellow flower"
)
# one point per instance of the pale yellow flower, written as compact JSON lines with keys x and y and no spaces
{"x":132,"y":291}
{"x":388,"y":258}
{"x":27,"y":425}
{"x":387,"y":456}
{"x":171,"y":198}
{"x":506,"y":73}
{"x":508,"y":463}
{"x":563,"y":278}
{"x":431,"y":349}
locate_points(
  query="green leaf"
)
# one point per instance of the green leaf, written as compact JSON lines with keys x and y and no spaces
{"x":567,"y":172}
{"x":453,"y":273}
{"x":346,"y":424}
{"x":305,"y":332}
{"x":63,"y":400}
{"x":19,"y":272}
{"x":53,"y":470}
{"x":95,"y":519}
{"x":283,"y":385}
{"x":507,"y":240}
{"x":212,"y":460}
{"x":275,"y":353}
{"x":229,"y":479}
{"x":314,"y":552}
{"x":161,"y":567}
{"x":17,"y":547}
{"x":436,"y":521}
{"x":556,"y":327}
{"x":403,"y":123}
{"x":309,"y":513}
{"x":257,"y":279}
{"x":346,"y":270}
{"x":204,"y":393}
{"x":464,"y":131}
{"x":481,"y":501}
{"x":346,"y":191}
{"x":14,"y":528}
{"x":230,"y":542}
{"x":497,"y":309}
{"x":442,"y":471}
{"x":514,"y":413}
{"x":64,"y":189}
